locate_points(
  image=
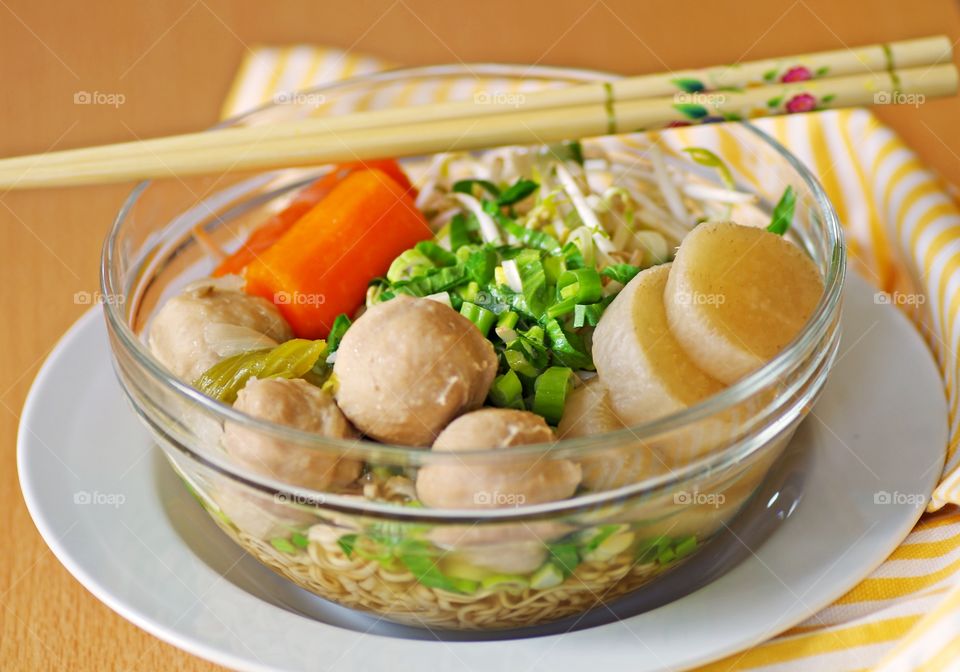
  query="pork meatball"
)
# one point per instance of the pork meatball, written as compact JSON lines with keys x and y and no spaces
{"x":486,"y":484}
{"x":209,"y":322}
{"x":407,"y":367}
{"x":295,"y":403}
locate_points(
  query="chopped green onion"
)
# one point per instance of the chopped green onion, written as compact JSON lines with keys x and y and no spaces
{"x":648,"y":550}
{"x":459,"y":232}
{"x":554,"y":266}
{"x":410,"y":264}
{"x":299,"y":539}
{"x":507,"y":391}
{"x":466,"y":187}
{"x":561,"y":308}
{"x":480,"y":265}
{"x":469,"y":291}
{"x":533,"y":281}
{"x":436,"y":280}
{"x":783,"y":212}
{"x":581,"y":284}
{"x":666,"y":556}
{"x":550,"y":393}
{"x":530,"y":237}
{"x":517,"y":191}
{"x":685,"y":546}
{"x":436,"y":254}
{"x":587,"y":315}
{"x":283,"y":546}
{"x":481,"y":317}
{"x":517,"y":361}
{"x":565,"y":557}
{"x":339,"y":328}
{"x":568,"y":348}
{"x":347,"y":543}
{"x":424,"y":569}
{"x":508,"y":319}
{"x":622,"y":273}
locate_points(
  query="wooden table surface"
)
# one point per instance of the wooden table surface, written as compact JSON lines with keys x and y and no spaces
{"x":173,"y":60}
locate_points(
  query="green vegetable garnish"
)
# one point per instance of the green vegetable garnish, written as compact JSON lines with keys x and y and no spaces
{"x":459,"y":232}
{"x":581,"y":285}
{"x":517,"y":191}
{"x":507,"y":391}
{"x":411,"y":264}
{"x":339,"y":328}
{"x":587,"y":315}
{"x":436,"y":254}
{"x":424,"y":568}
{"x":480,"y":316}
{"x":783,"y":212}
{"x":565,"y":557}
{"x":299,"y":540}
{"x":649,"y":550}
{"x":550,"y":393}
{"x":467,"y":187}
{"x":347,"y":543}
{"x":293,"y":359}
{"x":283,"y":546}
{"x":568,"y":348}
{"x":685,"y":546}
{"x":508,"y":319}
{"x":622,"y":273}
{"x":435,"y":280}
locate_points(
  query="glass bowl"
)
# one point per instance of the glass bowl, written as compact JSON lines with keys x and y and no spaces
{"x":512,"y":564}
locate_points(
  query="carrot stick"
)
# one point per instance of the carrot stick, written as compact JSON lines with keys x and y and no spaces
{"x":270,"y":232}
{"x":321,"y":267}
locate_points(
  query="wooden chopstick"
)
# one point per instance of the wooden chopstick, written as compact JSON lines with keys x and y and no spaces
{"x":870,"y":59}
{"x":567,"y":113}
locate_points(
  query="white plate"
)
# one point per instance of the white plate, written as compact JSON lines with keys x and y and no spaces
{"x":121,"y":523}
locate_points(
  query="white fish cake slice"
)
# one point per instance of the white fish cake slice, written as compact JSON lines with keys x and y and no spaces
{"x":588,"y":412}
{"x":646,"y":371}
{"x":737,"y":295}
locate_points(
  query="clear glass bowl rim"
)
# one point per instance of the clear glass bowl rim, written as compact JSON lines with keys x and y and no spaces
{"x":813,"y":332}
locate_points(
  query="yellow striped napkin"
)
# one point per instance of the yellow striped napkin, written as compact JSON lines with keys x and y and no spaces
{"x":903,"y":230}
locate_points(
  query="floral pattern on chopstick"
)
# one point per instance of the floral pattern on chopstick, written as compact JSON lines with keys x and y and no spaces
{"x":797,"y":73}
